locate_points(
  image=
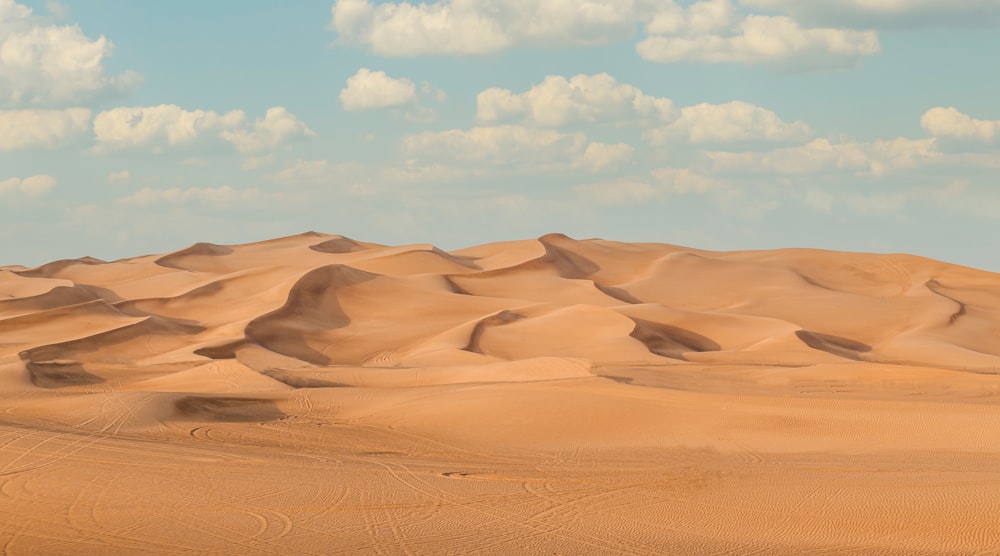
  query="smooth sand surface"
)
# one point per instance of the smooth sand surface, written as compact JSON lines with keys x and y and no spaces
{"x":316,"y":394}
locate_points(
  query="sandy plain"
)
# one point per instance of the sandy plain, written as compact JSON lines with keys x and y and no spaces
{"x":315,"y":395}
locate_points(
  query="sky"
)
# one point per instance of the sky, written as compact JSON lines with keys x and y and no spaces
{"x":129,"y":128}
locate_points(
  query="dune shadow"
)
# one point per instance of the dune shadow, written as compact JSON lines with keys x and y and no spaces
{"x":836,"y":345}
{"x":312,"y":306}
{"x":671,"y":341}
{"x":301,"y":381}
{"x":197,"y":250}
{"x":499,"y":319}
{"x":338,"y":245}
{"x":60,"y":374}
{"x":228,"y":410}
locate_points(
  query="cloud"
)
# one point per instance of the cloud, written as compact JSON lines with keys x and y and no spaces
{"x":663,"y":182}
{"x":822,"y":156}
{"x":120,"y":177}
{"x":143,"y":126}
{"x":25,"y":129}
{"x":949,"y":122}
{"x":600,"y":157}
{"x":464,"y":27}
{"x":171,"y":125}
{"x":515,"y":146}
{"x":558,"y":101}
{"x":727,"y":123}
{"x":710,"y":32}
{"x":369,"y":90}
{"x":51,"y":64}
{"x":32,"y":186}
{"x":220,"y":197}
{"x":276,"y":128}
{"x":886,"y":13}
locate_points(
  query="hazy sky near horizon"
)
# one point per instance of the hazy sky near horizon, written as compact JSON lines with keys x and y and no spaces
{"x":865,"y":125}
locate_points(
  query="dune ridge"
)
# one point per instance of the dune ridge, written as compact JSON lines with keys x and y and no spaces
{"x":316,"y":392}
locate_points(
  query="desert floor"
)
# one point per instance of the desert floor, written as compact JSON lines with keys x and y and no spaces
{"x":315,"y":395}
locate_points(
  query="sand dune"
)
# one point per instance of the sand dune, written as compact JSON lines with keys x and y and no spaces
{"x":319,"y":394}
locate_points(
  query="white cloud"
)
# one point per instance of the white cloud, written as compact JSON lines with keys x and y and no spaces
{"x":886,"y":13}
{"x":51,"y":64}
{"x":32,"y":186}
{"x":620,"y":192}
{"x":682,"y":181}
{"x":663,"y":182}
{"x":120,"y":177}
{"x":515,"y":146}
{"x":24,"y":129}
{"x":217,"y":196}
{"x":949,"y":122}
{"x":600,"y":157}
{"x":710,"y":32}
{"x":277,"y":127}
{"x":726,"y":123}
{"x":823,"y":156}
{"x":368,"y":90}
{"x":468,"y":27}
{"x":142,"y":126}
{"x":557,"y":101}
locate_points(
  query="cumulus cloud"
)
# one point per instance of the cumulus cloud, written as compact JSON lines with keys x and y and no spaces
{"x":32,"y":186}
{"x":558,"y":101}
{"x":949,"y":122}
{"x":711,"y":32}
{"x":727,"y":123}
{"x":886,"y":13}
{"x":276,"y":128}
{"x":25,"y":129}
{"x":369,"y":90}
{"x":216,"y":196}
{"x":143,"y":126}
{"x":465,"y":27}
{"x":51,"y":64}
{"x":823,"y":156}
{"x":663,"y":182}
{"x":600,"y":157}
{"x":515,"y":146}
{"x":171,"y":125}
{"x":706,"y":31}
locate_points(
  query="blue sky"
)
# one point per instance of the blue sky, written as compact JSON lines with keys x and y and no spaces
{"x":863,"y":125}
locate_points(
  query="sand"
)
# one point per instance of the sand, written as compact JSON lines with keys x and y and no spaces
{"x":316,"y":394}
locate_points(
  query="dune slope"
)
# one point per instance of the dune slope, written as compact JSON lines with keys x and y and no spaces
{"x":318,"y":394}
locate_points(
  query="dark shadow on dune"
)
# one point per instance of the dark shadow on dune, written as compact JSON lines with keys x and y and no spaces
{"x":312,"y":306}
{"x":74,"y":349}
{"x":60,"y":296}
{"x":338,"y":245}
{"x":50,"y":269}
{"x":228,"y":410}
{"x":222,"y":351}
{"x":842,"y":347}
{"x":301,"y":381}
{"x":455,"y":288}
{"x":936,"y":287}
{"x":60,"y":374}
{"x":197,"y":250}
{"x":567,"y":263}
{"x":499,"y":319}
{"x":670,"y":341}
{"x":618,"y":293}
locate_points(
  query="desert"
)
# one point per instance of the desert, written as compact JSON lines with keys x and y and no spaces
{"x":316,"y":394}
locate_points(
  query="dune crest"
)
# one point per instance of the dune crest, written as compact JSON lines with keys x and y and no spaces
{"x":316,"y":393}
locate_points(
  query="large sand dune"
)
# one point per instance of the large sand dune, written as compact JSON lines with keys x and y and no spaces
{"x":316,"y":394}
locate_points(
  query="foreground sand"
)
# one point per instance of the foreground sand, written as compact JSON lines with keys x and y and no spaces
{"x":317,"y":395}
